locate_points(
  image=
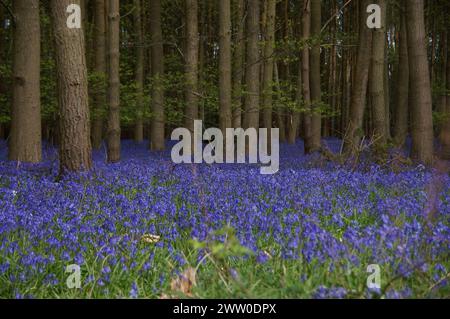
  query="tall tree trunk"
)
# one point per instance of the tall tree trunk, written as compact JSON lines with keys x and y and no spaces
{"x":157,"y":55}
{"x":316,"y":92}
{"x":238,"y":59}
{"x":269,"y":46}
{"x":445,"y":134}
{"x":25,"y":138}
{"x":402,"y":86}
{"x":307,"y":118}
{"x":421,"y":106}
{"x":251,"y":118}
{"x":377,"y":87}
{"x":75,"y":144}
{"x":100,"y":69}
{"x":139,"y":72}
{"x":354,"y":131}
{"x":192,"y":50}
{"x":114,"y":82}
{"x":225,"y":109}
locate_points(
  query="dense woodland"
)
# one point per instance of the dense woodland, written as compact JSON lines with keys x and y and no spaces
{"x":137,"y":69}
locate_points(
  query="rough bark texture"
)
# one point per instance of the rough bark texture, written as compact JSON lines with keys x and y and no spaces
{"x":354,"y":131}
{"x":269,"y":47}
{"x":421,"y":106}
{"x":402,"y":87}
{"x":238,"y":70}
{"x":251,"y":118}
{"x":100,"y":69}
{"x":377,"y":86}
{"x":225,"y":109}
{"x":139,"y":72}
{"x":192,"y":50}
{"x":75,"y":144}
{"x":114,"y":82}
{"x":157,"y":68}
{"x":316,"y":92}
{"x":25,"y":136}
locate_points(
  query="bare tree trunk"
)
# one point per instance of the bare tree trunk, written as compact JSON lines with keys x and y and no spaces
{"x":225,"y":101}
{"x":251,"y":118}
{"x":307,"y":118}
{"x":316,"y":92}
{"x":377,"y":87}
{"x":421,"y":106}
{"x":114,"y":82}
{"x":269,"y":46}
{"x":238,"y":71}
{"x":139,"y":72}
{"x":192,"y":50}
{"x":354,"y":131}
{"x":100,"y":69}
{"x":75,"y":144}
{"x":25,"y":138}
{"x":445,"y":135}
{"x":157,"y":55}
{"x":402,"y":87}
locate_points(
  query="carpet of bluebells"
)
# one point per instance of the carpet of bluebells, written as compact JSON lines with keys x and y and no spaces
{"x":309,"y":231}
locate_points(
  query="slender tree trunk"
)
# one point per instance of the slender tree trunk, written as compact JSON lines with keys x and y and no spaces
{"x":75,"y":144}
{"x":251,"y":118}
{"x":139,"y":72}
{"x":307,"y":118}
{"x":114,"y":82}
{"x":316,"y":92}
{"x":421,"y":106}
{"x":100,"y":69}
{"x":192,"y":50}
{"x":25,"y":138}
{"x":377,"y":87}
{"x":354,"y":132}
{"x":238,"y":59}
{"x":157,"y":55}
{"x":269,"y":46}
{"x":402,"y":86}
{"x":225,"y":109}
{"x":445,"y":135}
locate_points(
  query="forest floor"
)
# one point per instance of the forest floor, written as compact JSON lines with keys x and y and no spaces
{"x":146,"y":228}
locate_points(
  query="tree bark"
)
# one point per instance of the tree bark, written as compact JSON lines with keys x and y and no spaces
{"x":157,"y":142}
{"x":421,"y":106}
{"x":139,"y":72}
{"x":192,"y":50}
{"x":402,"y":86}
{"x":25,"y":136}
{"x":316,"y":92}
{"x":269,"y":47}
{"x":251,"y":118}
{"x":445,"y":135}
{"x":75,"y":144}
{"x":114,"y":82}
{"x":225,"y":108}
{"x":238,"y":71}
{"x":307,"y":118}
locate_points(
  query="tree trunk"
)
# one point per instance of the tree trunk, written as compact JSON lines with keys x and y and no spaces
{"x":445,"y":135}
{"x":139,"y":72}
{"x":307,"y":117}
{"x":225,"y":109}
{"x":75,"y":144}
{"x":421,"y":106}
{"x":25,"y":138}
{"x":354,"y":131}
{"x":157,"y":55}
{"x":192,"y":50}
{"x":114,"y":82}
{"x":238,"y":65}
{"x":316,"y":92}
{"x":251,"y":118}
{"x":377,"y":87}
{"x":402,"y":87}
{"x":100,"y":69}
{"x":269,"y":46}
